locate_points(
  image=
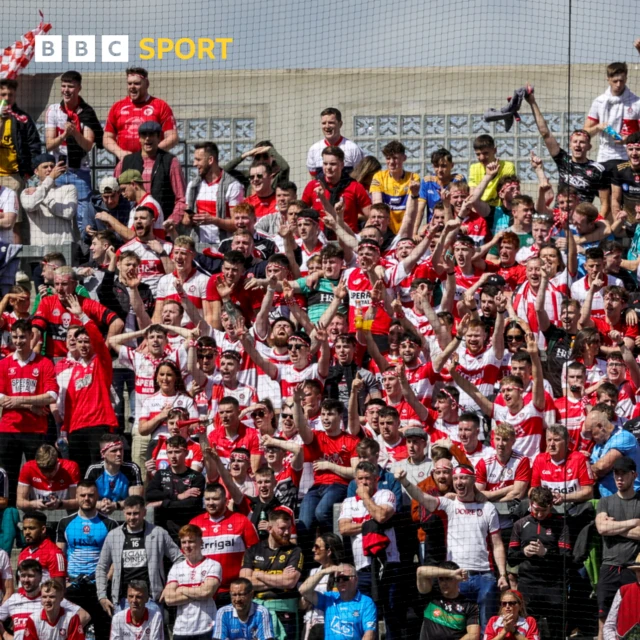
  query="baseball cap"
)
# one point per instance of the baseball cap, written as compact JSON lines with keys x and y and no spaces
{"x":42,"y":158}
{"x":624,"y":464}
{"x":496,"y":280}
{"x":108,"y":183}
{"x":150,"y":126}
{"x":129,"y":176}
{"x":415,"y":432}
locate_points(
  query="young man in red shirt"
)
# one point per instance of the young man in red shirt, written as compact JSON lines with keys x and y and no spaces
{"x":338,"y":185}
{"x":40,"y":548}
{"x":263,"y":198}
{"x":125,"y":116}
{"x":330,"y":451}
{"x":27,"y":385}
{"x":85,"y":396}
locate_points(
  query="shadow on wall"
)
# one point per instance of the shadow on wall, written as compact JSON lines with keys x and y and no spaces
{"x":34,"y":93}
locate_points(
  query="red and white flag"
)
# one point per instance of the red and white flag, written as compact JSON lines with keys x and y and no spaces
{"x":16,"y":57}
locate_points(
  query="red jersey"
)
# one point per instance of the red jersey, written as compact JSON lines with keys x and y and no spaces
{"x":52,"y":317}
{"x":337,"y":449}
{"x":475,"y":226}
{"x":354,"y":195}
{"x":263,"y":206}
{"x":67,"y":626}
{"x":604,"y":327}
{"x":514,"y":275}
{"x":194,"y":459}
{"x":248,"y":300}
{"x":85,"y":388}
{"x":567,"y":476}
{"x":126,"y":116}
{"x":225,"y":540}
{"x":31,"y":378}
{"x":408,"y":415}
{"x":66,"y":477}
{"x":49,"y":556}
{"x":572,"y":414}
{"x":390,"y":453}
{"x":246,"y":437}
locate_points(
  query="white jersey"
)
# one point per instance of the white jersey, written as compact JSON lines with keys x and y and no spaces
{"x":19,"y":608}
{"x":123,"y":627}
{"x":195,"y":288}
{"x":468,"y":531}
{"x":580,"y":288}
{"x":144,"y":366}
{"x":353,"y":154}
{"x":354,"y":509}
{"x":196,"y":616}
{"x":528,"y":424}
{"x":57,"y":119}
{"x":151,"y":268}
{"x":622,"y":114}
{"x":289,"y":377}
{"x":5,"y":567}
{"x":8,"y":204}
{"x":154,"y":404}
{"x":68,"y":626}
{"x":207,"y":202}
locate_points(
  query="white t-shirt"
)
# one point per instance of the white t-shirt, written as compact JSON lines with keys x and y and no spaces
{"x":19,"y":607}
{"x":57,"y":119}
{"x":8,"y":204}
{"x":354,"y":509}
{"x":353,"y":154}
{"x":197,"y":616}
{"x":470,"y":524}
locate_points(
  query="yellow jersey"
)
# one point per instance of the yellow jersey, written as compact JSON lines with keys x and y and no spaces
{"x":394,"y":193}
{"x":8,"y":153}
{"x":490,"y":195}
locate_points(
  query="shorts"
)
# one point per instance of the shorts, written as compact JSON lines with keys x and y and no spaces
{"x":610,"y":580}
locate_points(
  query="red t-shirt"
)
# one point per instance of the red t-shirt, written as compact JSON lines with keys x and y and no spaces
{"x":52,"y":317}
{"x":263,"y":206}
{"x":246,"y":437}
{"x":67,"y":477}
{"x":125,"y":117}
{"x":49,"y":556}
{"x":514,"y":275}
{"x":566,"y":477}
{"x":337,"y":449}
{"x":248,"y":300}
{"x":604,"y":328}
{"x":31,"y":378}
{"x":355,"y":200}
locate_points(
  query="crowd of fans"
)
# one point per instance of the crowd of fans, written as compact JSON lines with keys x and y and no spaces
{"x":380,"y":398}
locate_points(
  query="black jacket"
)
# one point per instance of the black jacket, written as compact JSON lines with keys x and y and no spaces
{"x":115,"y":296}
{"x":26,"y":140}
{"x":89,"y":119}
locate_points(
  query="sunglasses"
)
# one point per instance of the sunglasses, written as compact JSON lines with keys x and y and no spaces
{"x":205,"y":356}
{"x":296,"y":347}
{"x":258,"y":413}
{"x":286,"y":416}
{"x":509,"y":603}
{"x":256,"y":177}
{"x":343,"y":578}
{"x":514,"y":338}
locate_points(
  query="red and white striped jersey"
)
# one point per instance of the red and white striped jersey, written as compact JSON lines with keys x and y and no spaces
{"x":289,"y":377}
{"x":524,"y":303}
{"x":528,"y":424}
{"x":151,"y":268}
{"x":124,"y":628}
{"x":158,"y":216}
{"x":20,"y":607}
{"x":225,"y":541}
{"x":491,"y":473}
{"x":482,"y":451}
{"x":572,"y":413}
{"x":580,"y":288}
{"x":265,"y":386}
{"x":408,"y":416}
{"x":567,"y":476}
{"x":390,"y":453}
{"x":67,"y":626}
{"x":154,"y":404}
{"x":475,"y":226}
{"x":144,"y":366}
{"x":482,"y":369}
{"x":195,"y":288}
{"x":195,"y":617}
{"x":248,"y":373}
{"x":304,"y":268}
{"x":438,"y":429}
{"x":422,"y":379}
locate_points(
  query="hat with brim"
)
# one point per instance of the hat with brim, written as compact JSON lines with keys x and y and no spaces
{"x":636,"y":565}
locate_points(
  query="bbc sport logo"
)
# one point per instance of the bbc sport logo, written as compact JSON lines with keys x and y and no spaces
{"x":116,"y":48}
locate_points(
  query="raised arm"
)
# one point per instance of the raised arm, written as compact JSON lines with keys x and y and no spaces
{"x":270,"y":368}
{"x":548,"y":138}
{"x":536,"y":371}
{"x":299,"y":419}
{"x":430,"y":503}
{"x":486,"y":406}
{"x":475,"y":197}
{"x":585,"y":311}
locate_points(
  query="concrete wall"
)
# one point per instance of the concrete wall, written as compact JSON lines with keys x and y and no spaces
{"x":287,"y":104}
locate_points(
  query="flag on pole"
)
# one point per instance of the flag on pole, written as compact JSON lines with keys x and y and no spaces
{"x":16,"y":57}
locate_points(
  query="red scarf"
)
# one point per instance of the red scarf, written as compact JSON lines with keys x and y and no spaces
{"x":73,"y":117}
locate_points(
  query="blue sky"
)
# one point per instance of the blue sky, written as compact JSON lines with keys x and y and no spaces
{"x":295,"y":34}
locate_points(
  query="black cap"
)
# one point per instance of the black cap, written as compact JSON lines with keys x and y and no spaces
{"x":150,"y":126}
{"x":496,"y":280}
{"x":624,"y":464}
{"x":310,"y":214}
{"x":42,"y":158}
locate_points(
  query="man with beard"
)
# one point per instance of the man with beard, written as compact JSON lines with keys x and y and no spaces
{"x":210,"y":199}
{"x":338,"y":185}
{"x":159,"y":169}
{"x":274,"y":567}
{"x":39,"y":547}
{"x":26,"y":600}
{"x":193,"y":284}
{"x":154,"y":254}
{"x":132,"y":188}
